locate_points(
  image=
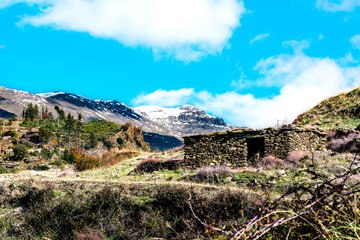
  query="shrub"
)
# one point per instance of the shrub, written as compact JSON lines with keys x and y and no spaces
{"x":19,"y":152}
{"x":66,"y":156}
{"x":58,"y":163}
{"x":156,"y":164}
{"x":120,"y":141}
{"x":72,"y":158}
{"x":45,"y":134}
{"x":342,"y":141}
{"x":219,"y":171}
{"x":28,"y":145}
{"x":39,"y":168}
{"x":45,"y":153}
{"x":107,"y":143}
{"x":124,"y":127}
{"x":270,"y":162}
{"x":87,"y":162}
{"x":296,"y":156}
{"x":4,"y":170}
{"x":11,"y":134}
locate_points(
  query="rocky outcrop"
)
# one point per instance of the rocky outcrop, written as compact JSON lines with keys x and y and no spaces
{"x":5,"y":145}
{"x":241,"y":147}
{"x":31,"y":136}
{"x":130,"y":137}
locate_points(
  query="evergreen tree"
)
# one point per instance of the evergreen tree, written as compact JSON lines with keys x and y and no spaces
{"x":60,"y":112}
{"x":93,"y":140}
{"x":66,"y":156}
{"x":70,"y":126}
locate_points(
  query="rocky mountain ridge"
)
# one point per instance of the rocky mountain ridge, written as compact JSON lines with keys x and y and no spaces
{"x":188,"y":121}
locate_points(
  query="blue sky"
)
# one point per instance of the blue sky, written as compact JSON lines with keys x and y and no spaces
{"x":254,"y":63}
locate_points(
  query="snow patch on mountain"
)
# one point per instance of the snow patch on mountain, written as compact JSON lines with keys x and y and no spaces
{"x":50,"y":94}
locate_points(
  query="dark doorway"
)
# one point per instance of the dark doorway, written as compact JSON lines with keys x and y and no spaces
{"x":255,"y":147}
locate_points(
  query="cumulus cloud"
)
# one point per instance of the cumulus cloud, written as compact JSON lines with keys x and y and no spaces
{"x":165,"y":98}
{"x":184,"y":29}
{"x":303,"y":82}
{"x":355,"y":40}
{"x":337,"y":5}
{"x":260,"y":37}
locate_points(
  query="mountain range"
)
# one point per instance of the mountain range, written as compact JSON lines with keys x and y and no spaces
{"x":157,"y":122}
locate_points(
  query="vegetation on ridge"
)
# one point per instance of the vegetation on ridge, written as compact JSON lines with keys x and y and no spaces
{"x":341,"y":111}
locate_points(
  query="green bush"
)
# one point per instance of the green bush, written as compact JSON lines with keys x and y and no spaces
{"x":66,"y":156}
{"x":19,"y":152}
{"x":28,"y":145}
{"x":120,"y":141}
{"x":11,"y":134}
{"x":45,"y":153}
{"x":4,"y":170}
{"x":58,"y":163}
{"x":124,"y":127}
{"x":39,"y":168}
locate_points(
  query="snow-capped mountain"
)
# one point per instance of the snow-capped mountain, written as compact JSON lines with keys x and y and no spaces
{"x":178,"y":122}
{"x":186,"y":120}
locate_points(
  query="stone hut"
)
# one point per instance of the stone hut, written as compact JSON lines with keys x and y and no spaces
{"x":241,"y":147}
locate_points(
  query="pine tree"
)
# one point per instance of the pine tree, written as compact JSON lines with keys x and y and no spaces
{"x":93,"y":140}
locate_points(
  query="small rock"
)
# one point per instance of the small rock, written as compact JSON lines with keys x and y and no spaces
{"x":280,"y":172}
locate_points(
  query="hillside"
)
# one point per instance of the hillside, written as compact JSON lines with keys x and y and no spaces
{"x":341,"y":111}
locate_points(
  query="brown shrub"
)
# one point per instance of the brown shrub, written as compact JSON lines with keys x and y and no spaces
{"x":296,"y":156}
{"x":87,"y":162}
{"x":270,"y":162}
{"x":108,"y":159}
{"x":212,"y":171}
{"x":156,"y":164}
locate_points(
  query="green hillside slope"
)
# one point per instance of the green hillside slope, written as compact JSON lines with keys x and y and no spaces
{"x":341,"y":111}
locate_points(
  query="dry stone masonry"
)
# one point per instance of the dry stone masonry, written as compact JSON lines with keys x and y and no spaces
{"x":241,"y":147}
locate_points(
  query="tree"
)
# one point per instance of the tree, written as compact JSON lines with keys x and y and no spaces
{"x":70,"y":124}
{"x":60,"y":112}
{"x":31,"y":112}
{"x":13,"y":117}
{"x":19,"y":152}
{"x":66,"y":156}
{"x":44,"y":134}
{"x":93,"y":140}
{"x":79,"y":127}
{"x":72,"y":158}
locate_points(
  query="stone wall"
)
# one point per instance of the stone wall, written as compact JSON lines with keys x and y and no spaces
{"x":241,"y":147}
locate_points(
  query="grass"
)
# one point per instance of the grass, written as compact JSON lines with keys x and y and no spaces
{"x":158,"y":201}
{"x":341,"y":111}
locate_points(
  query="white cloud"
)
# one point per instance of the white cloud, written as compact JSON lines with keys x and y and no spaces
{"x":355,"y":40}
{"x":184,"y":29}
{"x":303,"y":81}
{"x":337,"y":5}
{"x":165,"y":98}
{"x":260,"y":37}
